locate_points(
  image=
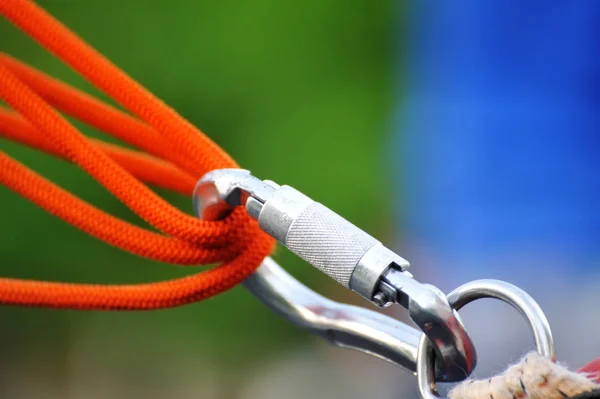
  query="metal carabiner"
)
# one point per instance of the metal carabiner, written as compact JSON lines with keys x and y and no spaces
{"x":342,"y":325}
{"x":353,"y":258}
{"x":478,"y":289}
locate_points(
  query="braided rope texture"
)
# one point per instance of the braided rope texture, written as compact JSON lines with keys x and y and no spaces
{"x":174,"y":155}
{"x":534,"y":377}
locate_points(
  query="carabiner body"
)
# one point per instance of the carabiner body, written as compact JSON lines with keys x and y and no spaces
{"x":442,"y":351}
{"x":347,"y":254}
{"x":342,"y":325}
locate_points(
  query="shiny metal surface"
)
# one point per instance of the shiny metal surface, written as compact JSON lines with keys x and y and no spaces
{"x":373,"y":264}
{"x":470,"y":292}
{"x":350,"y":256}
{"x":220,"y":190}
{"x":519,"y":299}
{"x":282,"y":209}
{"x":342,"y":325}
{"x":312,"y":231}
{"x":430,"y":310}
{"x":330,"y":243}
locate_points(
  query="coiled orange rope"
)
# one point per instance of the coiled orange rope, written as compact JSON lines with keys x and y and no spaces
{"x":179,"y":155}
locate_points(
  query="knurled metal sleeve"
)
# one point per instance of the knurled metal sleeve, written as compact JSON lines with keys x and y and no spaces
{"x":328,"y":241}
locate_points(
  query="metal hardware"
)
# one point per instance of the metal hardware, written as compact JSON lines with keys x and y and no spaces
{"x":470,"y":292}
{"x":352,"y":257}
{"x":342,"y":325}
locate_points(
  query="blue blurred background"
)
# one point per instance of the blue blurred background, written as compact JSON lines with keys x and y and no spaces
{"x":463,"y":135}
{"x":498,"y":150}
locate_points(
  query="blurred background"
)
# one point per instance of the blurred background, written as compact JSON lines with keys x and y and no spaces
{"x":463,"y":135}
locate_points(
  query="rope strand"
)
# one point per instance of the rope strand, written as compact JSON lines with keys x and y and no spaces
{"x":56,"y":38}
{"x":180,"y":154}
{"x":95,"y":113}
{"x":142,"y":166}
{"x":139,"y":198}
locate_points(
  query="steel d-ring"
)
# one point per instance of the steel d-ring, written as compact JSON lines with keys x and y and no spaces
{"x":479,"y":289}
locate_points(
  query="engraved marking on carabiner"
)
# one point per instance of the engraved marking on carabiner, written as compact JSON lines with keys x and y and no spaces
{"x":470,"y":292}
{"x":344,"y":252}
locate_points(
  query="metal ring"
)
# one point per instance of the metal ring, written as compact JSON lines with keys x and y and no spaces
{"x":470,"y":292}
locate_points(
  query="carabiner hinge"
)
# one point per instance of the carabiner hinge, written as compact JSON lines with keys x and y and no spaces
{"x":345,"y":253}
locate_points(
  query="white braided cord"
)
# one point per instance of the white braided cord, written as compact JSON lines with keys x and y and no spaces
{"x":534,"y":377}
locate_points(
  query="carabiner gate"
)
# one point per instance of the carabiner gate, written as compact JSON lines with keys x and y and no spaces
{"x":353,"y":258}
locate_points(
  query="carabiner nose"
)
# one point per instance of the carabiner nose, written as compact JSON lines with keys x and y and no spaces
{"x":354,"y":259}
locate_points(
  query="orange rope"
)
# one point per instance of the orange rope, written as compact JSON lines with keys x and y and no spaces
{"x":50,"y":33}
{"x":180,"y":155}
{"x":144,"y":167}
{"x":94,"y":112}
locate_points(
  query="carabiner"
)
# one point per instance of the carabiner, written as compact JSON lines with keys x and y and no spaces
{"x":496,"y":289}
{"x":352,"y":257}
{"x":342,"y":325}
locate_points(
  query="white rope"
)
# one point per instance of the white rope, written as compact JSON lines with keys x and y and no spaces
{"x":534,"y":377}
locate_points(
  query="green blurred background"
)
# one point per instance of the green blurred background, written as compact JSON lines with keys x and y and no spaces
{"x":298,"y":92}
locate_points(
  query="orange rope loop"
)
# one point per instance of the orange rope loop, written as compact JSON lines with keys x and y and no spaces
{"x":175,"y":155}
